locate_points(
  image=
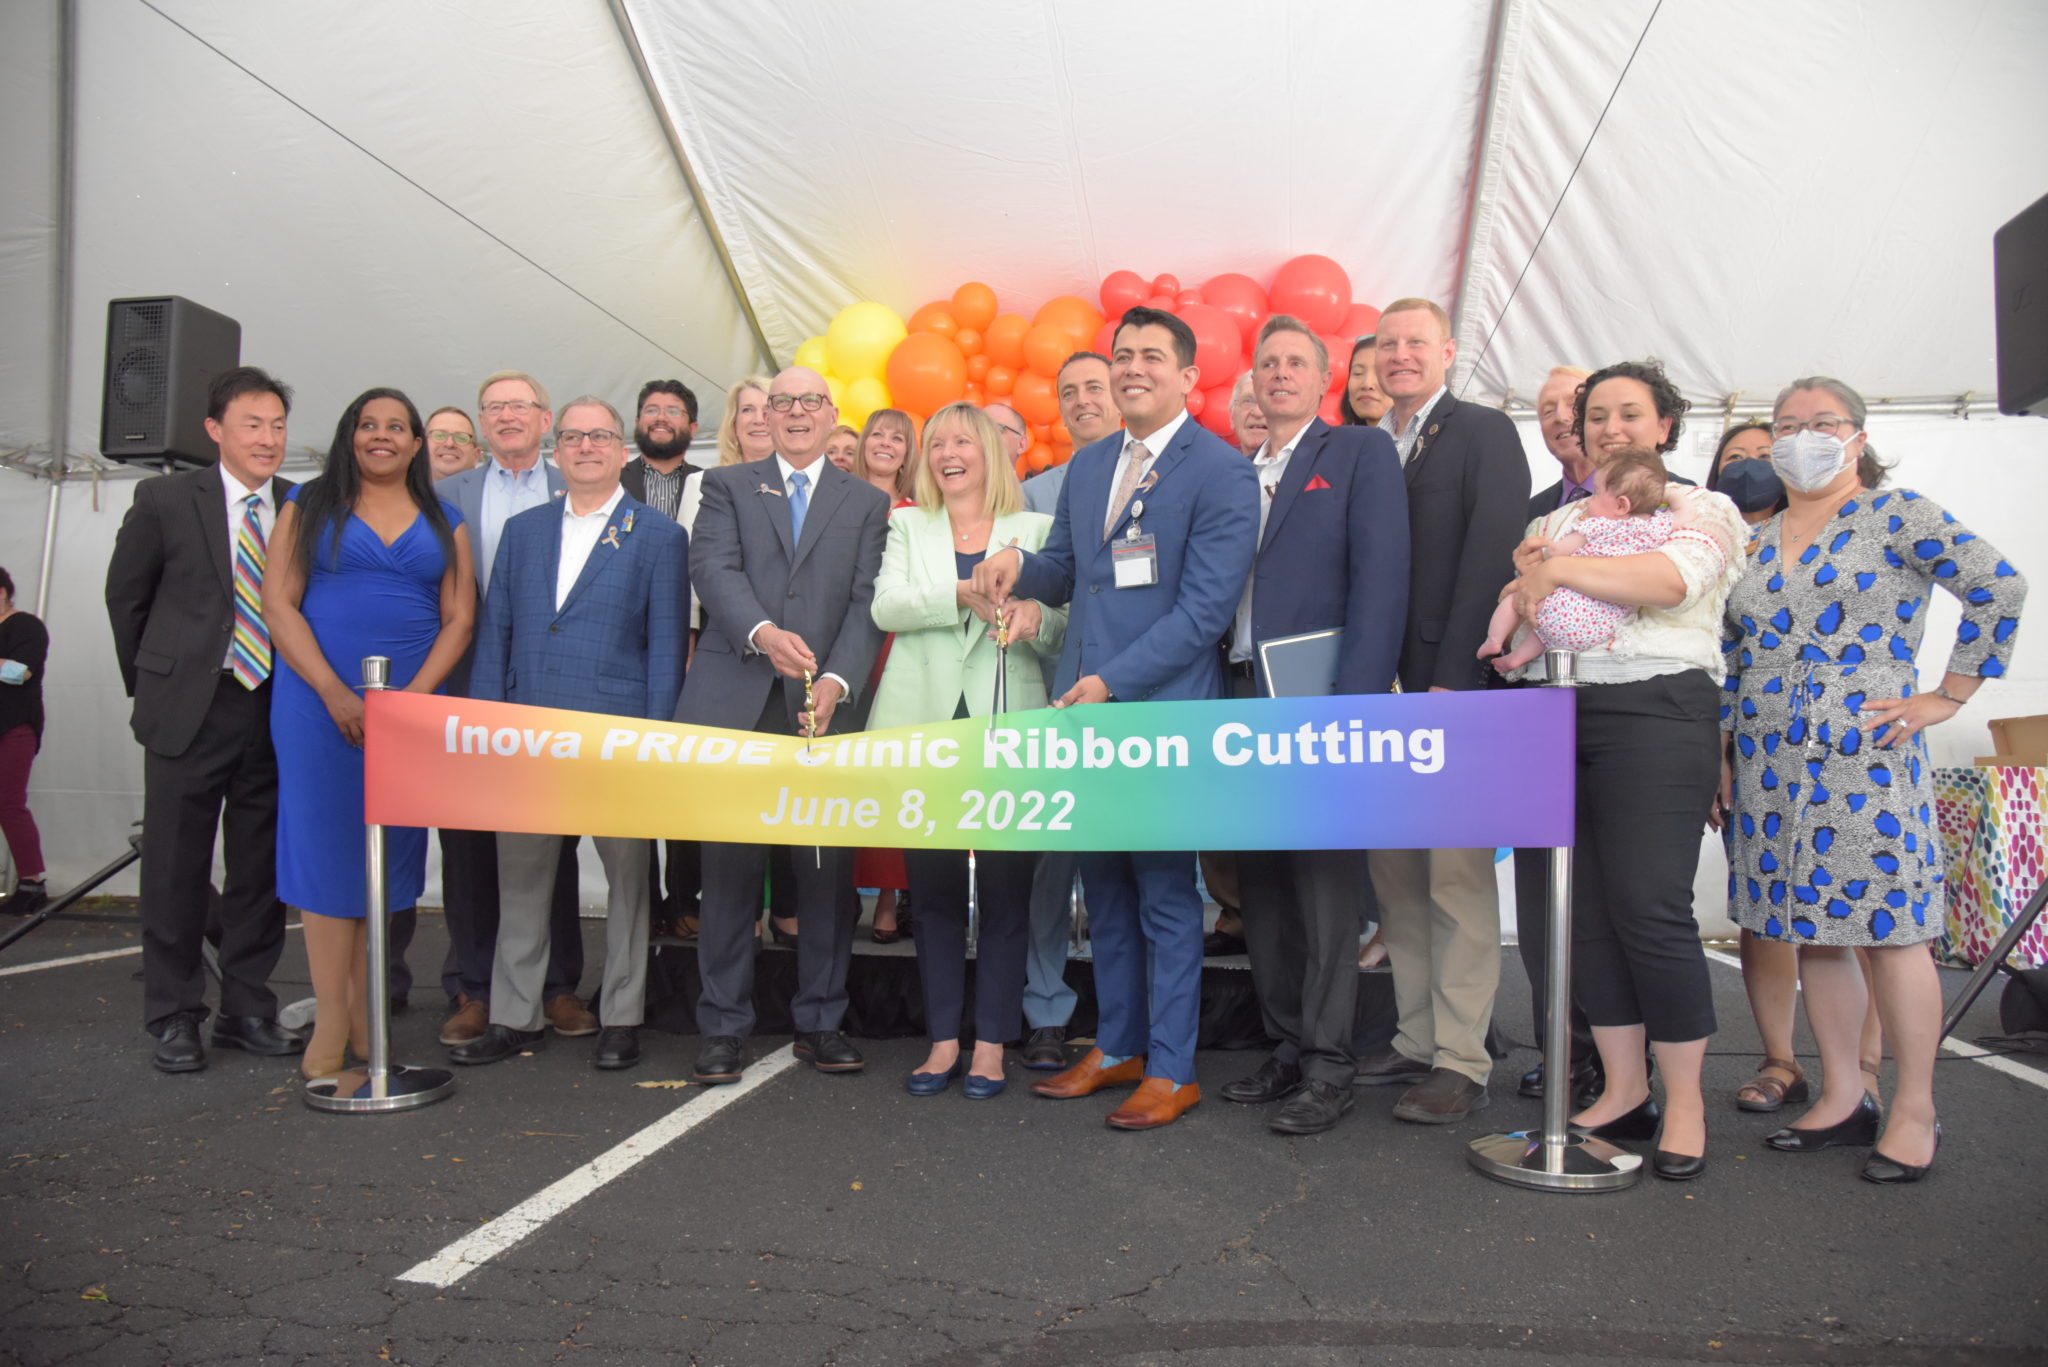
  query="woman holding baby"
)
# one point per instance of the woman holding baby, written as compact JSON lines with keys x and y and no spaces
{"x":1648,"y":748}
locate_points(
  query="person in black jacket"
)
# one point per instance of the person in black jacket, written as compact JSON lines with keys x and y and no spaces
{"x":24,"y":645}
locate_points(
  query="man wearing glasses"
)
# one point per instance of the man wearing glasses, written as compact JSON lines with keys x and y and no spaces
{"x":1016,"y":435}
{"x":663,"y":430}
{"x":516,"y":415}
{"x":587,"y":611}
{"x":451,"y":443}
{"x":784,"y":555}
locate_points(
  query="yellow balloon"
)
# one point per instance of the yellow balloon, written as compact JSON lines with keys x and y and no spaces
{"x":836,"y":387}
{"x":858,"y":343}
{"x":811,"y":355}
{"x":862,"y":398}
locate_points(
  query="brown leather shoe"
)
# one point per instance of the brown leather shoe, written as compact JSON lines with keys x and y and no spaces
{"x":1158,"y":1101}
{"x":1440,"y":1098}
{"x":570,"y":1017}
{"x":1089,"y":1076}
{"x":468,"y":1022}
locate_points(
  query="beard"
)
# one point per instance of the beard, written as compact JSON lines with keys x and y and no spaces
{"x":650,"y":449}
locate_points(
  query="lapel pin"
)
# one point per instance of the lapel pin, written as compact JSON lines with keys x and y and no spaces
{"x":611,"y":538}
{"x":764,"y":489}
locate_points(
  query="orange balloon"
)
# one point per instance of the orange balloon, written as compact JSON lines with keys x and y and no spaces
{"x":1071,"y":314}
{"x":974,"y":304}
{"x":975,"y":396}
{"x":999,"y":380}
{"x":1023,"y":467}
{"x":921,"y":321}
{"x":1038,"y":457}
{"x":969,"y":341}
{"x":977,"y":365}
{"x":1060,"y":436}
{"x":1003,"y":339}
{"x":1041,"y":432}
{"x":926,"y":372}
{"x":1034,"y":398}
{"x":1045,"y":346}
{"x":1063,"y":453}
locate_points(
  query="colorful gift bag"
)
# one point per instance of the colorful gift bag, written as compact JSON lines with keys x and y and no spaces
{"x":1991,"y":835}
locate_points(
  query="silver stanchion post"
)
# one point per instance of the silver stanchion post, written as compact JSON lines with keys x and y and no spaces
{"x":383,"y":1086}
{"x":1556,"y":1158}
{"x":1076,"y":920}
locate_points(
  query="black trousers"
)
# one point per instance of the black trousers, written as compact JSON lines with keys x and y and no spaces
{"x":469,"y":897}
{"x":1302,"y":912}
{"x":1649,"y":762}
{"x":674,"y":895}
{"x":227,"y":781}
{"x":938,"y":888}
{"x":1532,"y":930}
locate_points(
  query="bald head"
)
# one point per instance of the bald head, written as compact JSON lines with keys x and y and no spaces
{"x":799,"y":429}
{"x":1015,"y":431}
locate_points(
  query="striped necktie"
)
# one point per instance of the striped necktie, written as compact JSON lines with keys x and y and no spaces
{"x":249,"y":656}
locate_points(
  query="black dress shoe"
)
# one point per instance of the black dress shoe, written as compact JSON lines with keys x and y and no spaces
{"x":1046,"y":1050}
{"x":1640,"y":1123}
{"x":1274,"y":1081}
{"x":1313,"y":1109}
{"x":1219,"y":943}
{"x":177,"y":1046}
{"x":1890,"y":1172}
{"x":1531,"y":1083}
{"x":719,"y":1061}
{"x":1857,"y":1132}
{"x":1677,"y":1167}
{"x":1587,"y":1083}
{"x":829,"y":1051}
{"x":498,"y":1042}
{"x":257,"y":1034}
{"x":617,"y":1047}
{"x":1390,"y":1066}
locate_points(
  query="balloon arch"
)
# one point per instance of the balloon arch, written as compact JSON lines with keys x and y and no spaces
{"x":962,"y":348}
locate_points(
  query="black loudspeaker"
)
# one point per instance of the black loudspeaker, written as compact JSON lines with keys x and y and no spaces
{"x":2019,"y":268}
{"x":162,"y":355}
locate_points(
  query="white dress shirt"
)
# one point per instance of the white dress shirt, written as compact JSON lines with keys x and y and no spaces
{"x":506,"y":493}
{"x":266,"y":517}
{"x":1270,"y":467}
{"x":810,"y":472}
{"x":1406,"y":436}
{"x":580,"y":533}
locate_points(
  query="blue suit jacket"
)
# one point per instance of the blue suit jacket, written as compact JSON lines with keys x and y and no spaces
{"x":1337,"y":555}
{"x":618,"y":643}
{"x":1157,"y":642}
{"x":465,"y":489}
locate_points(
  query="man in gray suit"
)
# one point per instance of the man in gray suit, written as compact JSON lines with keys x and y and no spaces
{"x":783,"y":556}
{"x":516,"y":415}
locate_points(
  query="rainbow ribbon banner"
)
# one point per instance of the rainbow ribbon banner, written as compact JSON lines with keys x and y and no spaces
{"x":1413,"y":771}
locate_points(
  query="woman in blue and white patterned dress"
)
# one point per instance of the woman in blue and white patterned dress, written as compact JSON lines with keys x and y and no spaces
{"x":1834,"y":845}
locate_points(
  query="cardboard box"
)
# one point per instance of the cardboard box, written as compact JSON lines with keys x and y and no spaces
{"x":2025,"y":737}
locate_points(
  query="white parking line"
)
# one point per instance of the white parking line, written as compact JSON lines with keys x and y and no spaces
{"x":74,"y":959}
{"x":473,"y":1250}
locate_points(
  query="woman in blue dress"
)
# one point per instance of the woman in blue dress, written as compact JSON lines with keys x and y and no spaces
{"x":1825,"y":772}
{"x":365,"y":560}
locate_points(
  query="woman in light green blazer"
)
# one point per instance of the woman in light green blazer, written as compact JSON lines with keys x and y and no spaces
{"x":943,"y":666}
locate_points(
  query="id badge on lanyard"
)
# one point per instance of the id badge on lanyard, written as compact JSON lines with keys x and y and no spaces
{"x":1134,"y":556}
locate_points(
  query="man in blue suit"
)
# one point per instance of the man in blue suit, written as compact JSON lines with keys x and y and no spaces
{"x":1180,"y":510}
{"x":588,"y":610}
{"x":1333,"y":553}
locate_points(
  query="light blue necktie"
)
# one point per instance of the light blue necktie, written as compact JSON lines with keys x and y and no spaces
{"x":798,"y":503}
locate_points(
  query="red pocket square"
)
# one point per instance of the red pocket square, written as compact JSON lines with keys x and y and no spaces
{"x":1317,"y":483}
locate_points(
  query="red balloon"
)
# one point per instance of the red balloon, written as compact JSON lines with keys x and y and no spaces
{"x":1329,"y":412}
{"x":1165,"y":303}
{"x":1359,"y":321}
{"x":926,"y":372}
{"x":1186,"y":297}
{"x":1241,"y":298}
{"x":1215,"y":414}
{"x":1218,"y":348}
{"x":1314,"y":289}
{"x":1197,"y":401}
{"x":1166,"y":284}
{"x":1105,"y":340}
{"x":1340,"y":359}
{"x":1122,"y":290}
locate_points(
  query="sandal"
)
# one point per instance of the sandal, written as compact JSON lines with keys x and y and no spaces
{"x":1766,"y":1093}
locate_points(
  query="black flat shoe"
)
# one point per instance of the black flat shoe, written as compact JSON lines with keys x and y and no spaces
{"x":1678,"y":1167}
{"x":177,"y":1046}
{"x":1274,"y":1081}
{"x":1641,"y":1123}
{"x":497,"y":1042}
{"x":617,"y":1047}
{"x":1889,"y":1172}
{"x":719,"y":1061}
{"x":257,"y":1034}
{"x":1859,"y":1131}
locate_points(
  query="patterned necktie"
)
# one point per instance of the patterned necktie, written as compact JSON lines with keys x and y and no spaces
{"x":1578,"y":493}
{"x":1134,"y":463}
{"x":249,"y":655}
{"x":799,"y":503}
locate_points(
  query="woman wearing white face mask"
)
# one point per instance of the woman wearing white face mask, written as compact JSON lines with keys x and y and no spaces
{"x":1826,"y":774}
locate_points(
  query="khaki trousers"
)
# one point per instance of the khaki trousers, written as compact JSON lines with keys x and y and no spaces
{"x":1440,"y":922}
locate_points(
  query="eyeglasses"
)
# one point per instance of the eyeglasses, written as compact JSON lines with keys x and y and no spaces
{"x":459,"y":438}
{"x":602,"y":438}
{"x":518,"y":408}
{"x":811,"y":402}
{"x":1016,"y":432}
{"x":657,"y":411}
{"x":1827,"y":424}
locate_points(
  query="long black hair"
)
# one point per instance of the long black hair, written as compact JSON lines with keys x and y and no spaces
{"x":1352,"y":417}
{"x":326,"y":503}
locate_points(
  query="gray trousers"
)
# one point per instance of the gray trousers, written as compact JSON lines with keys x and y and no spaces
{"x":1048,"y":1000}
{"x":1302,"y":910}
{"x":526,"y":880}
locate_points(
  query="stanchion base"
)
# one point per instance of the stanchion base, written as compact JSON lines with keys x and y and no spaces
{"x":402,"y":1089}
{"x":1581,"y":1163}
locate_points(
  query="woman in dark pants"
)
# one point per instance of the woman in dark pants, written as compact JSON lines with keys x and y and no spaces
{"x":943,"y":665}
{"x":1648,"y":768}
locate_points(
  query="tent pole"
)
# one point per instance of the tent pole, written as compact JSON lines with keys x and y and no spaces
{"x":60,"y":291}
{"x":675,"y":147}
{"x":1506,"y":28}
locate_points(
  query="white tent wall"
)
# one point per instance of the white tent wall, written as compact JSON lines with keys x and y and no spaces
{"x":31,"y":63}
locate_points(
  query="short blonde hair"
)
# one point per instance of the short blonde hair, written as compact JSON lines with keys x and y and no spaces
{"x":1429,"y":306}
{"x":728,"y":423}
{"x":1001,"y":493}
{"x":906,"y":473}
{"x":540,"y":392}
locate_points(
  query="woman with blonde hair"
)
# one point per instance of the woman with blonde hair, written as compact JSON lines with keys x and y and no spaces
{"x":944,"y":667}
